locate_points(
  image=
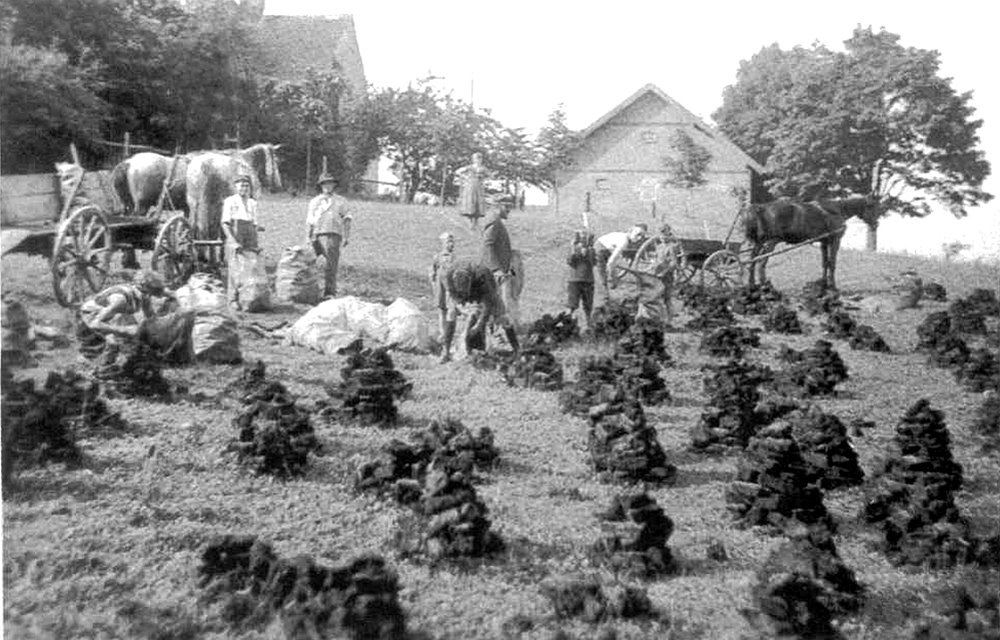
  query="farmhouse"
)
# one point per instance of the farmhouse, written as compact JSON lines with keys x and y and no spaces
{"x":619,"y":168}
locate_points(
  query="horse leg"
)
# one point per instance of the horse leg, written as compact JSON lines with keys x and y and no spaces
{"x":831,"y":259}
{"x":765,"y":252}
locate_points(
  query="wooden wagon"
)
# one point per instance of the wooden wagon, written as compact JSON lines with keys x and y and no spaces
{"x":80,"y":231}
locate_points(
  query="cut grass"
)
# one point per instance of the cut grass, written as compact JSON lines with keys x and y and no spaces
{"x":111,"y":548}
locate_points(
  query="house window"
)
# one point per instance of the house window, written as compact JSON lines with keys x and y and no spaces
{"x":649,"y":137}
{"x":602,"y":184}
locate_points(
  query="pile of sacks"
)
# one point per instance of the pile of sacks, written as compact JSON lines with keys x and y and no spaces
{"x":803,"y":585}
{"x":370,"y":384}
{"x":623,"y":447}
{"x":757,"y":300}
{"x":914,"y":499}
{"x":41,"y":425}
{"x":826,"y":449}
{"x":251,"y":584}
{"x":584,"y":598}
{"x":296,"y":278}
{"x":730,"y":341}
{"x":215,"y":336}
{"x":552,"y":330}
{"x":812,"y":372}
{"x":782,"y":319}
{"x":444,"y":444}
{"x":634,"y":537}
{"x":534,"y":368}
{"x":275,"y":435}
{"x":612,"y":319}
{"x":730,"y":418}
{"x":774,"y":485}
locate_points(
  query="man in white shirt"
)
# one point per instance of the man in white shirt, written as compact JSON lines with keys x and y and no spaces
{"x":239,"y":225}
{"x":610,"y":249}
{"x":329,"y":228}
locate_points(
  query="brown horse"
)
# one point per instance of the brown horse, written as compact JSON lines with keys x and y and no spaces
{"x":767,"y":225}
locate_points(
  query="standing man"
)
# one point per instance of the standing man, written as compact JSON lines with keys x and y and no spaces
{"x":329,"y":223}
{"x":497,"y":255}
{"x":443,"y":261}
{"x":656,"y":288}
{"x":239,"y":225}
{"x":580,"y":285}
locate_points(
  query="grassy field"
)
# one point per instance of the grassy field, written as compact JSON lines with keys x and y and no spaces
{"x":110,"y":549}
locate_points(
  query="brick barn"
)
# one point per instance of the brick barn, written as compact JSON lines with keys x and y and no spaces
{"x":619,"y":167}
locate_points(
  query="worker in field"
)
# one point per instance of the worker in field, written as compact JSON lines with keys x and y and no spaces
{"x":656,"y":286}
{"x":328,"y":223}
{"x":474,"y":287}
{"x":580,"y":281}
{"x":125,"y":313}
{"x":498,"y":257}
{"x":442,"y":262}
{"x":614,"y":248}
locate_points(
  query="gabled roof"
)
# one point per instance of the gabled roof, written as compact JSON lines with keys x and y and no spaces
{"x":712,"y":132}
{"x":288,"y":45}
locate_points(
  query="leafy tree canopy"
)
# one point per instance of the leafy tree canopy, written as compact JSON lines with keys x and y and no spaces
{"x":876,"y":118}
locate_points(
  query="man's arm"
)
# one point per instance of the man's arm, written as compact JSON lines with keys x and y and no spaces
{"x":616,"y":256}
{"x":347,"y":218}
{"x":116,"y":304}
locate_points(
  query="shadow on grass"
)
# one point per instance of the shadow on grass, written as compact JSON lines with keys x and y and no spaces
{"x":696,"y":477}
{"x":76,"y":481}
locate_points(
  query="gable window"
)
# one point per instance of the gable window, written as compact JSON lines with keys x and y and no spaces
{"x":649,"y":137}
{"x":602,"y":184}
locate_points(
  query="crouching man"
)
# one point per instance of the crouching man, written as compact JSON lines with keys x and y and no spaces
{"x":473,"y":284}
{"x":125,"y":313}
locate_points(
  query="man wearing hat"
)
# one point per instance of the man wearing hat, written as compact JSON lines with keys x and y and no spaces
{"x":497,"y":255}
{"x":126,"y":311}
{"x":329,"y":229}
{"x":239,"y":225}
{"x":656,"y":287}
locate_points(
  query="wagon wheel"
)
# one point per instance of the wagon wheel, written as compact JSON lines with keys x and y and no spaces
{"x":723,"y":270}
{"x":174,"y":253}
{"x":687,"y":266}
{"x":645,"y":256}
{"x":81,"y":255}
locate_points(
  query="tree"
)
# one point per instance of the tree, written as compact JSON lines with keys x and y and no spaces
{"x":554,"y":144}
{"x":874,"y":119}
{"x":686,"y":167}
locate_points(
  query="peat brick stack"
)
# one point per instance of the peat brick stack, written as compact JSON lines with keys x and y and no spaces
{"x":730,"y":341}
{"x":970,"y":612}
{"x":782,"y":319}
{"x":967,"y":316}
{"x":252,"y":379}
{"x":713,"y":311}
{"x":812,"y":372}
{"x":865,"y":338}
{"x":803,"y":584}
{"x":612,"y":319}
{"x":359,"y":600}
{"x":826,"y":448}
{"x":640,"y":376}
{"x":985,"y":301}
{"x":981,"y":372}
{"x":584,"y":598}
{"x":644,"y":338}
{"x":818,"y":299}
{"x":596,"y":381}
{"x":730,"y":418}
{"x":774,"y":486}
{"x":552,"y":330}
{"x":757,"y":300}
{"x":370,"y":384}
{"x":914,"y":498}
{"x":623,"y":447}
{"x":275,"y":435}
{"x":935,"y":292}
{"x":840,"y":324}
{"x":635,"y":534}
{"x":534,"y":368}
{"x":132,"y":369}
{"x":458,"y":525}
{"x":987,"y":419}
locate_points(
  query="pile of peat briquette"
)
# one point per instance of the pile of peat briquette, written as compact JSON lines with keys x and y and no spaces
{"x":249,"y":584}
{"x":731,"y":416}
{"x":730,"y":341}
{"x":803,"y":585}
{"x":826,"y":448}
{"x":534,"y":368}
{"x":132,"y":369}
{"x":840,"y":324}
{"x":782,"y":319}
{"x":775,"y":487}
{"x":552,"y":330}
{"x":612,"y":319}
{"x":914,"y":497}
{"x":712,"y":308}
{"x":370,"y":384}
{"x":623,"y":447}
{"x":758,"y":300}
{"x":274,"y":434}
{"x":634,"y":537}
{"x":584,"y":598}
{"x":816,"y":371}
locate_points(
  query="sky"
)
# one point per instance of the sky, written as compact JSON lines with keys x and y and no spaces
{"x":522,"y":59}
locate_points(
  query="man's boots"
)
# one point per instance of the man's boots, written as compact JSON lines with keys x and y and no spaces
{"x":512,"y":339}
{"x":447,"y":335}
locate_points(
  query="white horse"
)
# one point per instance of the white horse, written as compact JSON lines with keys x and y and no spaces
{"x":138,"y":182}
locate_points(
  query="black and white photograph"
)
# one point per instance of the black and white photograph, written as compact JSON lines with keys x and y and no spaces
{"x":468,"y":321}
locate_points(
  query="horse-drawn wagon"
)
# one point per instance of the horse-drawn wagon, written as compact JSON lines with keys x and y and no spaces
{"x":73,"y":221}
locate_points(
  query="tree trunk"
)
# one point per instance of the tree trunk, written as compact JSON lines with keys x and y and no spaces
{"x":871,"y":237}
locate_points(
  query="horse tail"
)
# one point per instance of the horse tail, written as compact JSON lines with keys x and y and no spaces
{"x":119,"y":186}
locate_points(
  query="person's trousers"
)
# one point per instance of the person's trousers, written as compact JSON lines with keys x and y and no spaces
{"x":328,"y":246}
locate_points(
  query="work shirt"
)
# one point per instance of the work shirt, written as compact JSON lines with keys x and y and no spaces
{"x":581,"y":263}
{"x":235,"y":208}
{"x":327,"y":214}
{"x":496,"y":246}
{"x":611,"y":241}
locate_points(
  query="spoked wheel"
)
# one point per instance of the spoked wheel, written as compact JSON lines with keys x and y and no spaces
{"x":645,"y":257}
{"x":723,"y":270}
{"x":174,"y":253}
{"x":81,"y":256}
{"x":687,"y":266}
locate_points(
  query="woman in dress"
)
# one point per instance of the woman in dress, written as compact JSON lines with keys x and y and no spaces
{"x":472,"y":202}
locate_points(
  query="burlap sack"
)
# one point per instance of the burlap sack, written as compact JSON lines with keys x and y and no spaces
{"x":297,"y":279}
